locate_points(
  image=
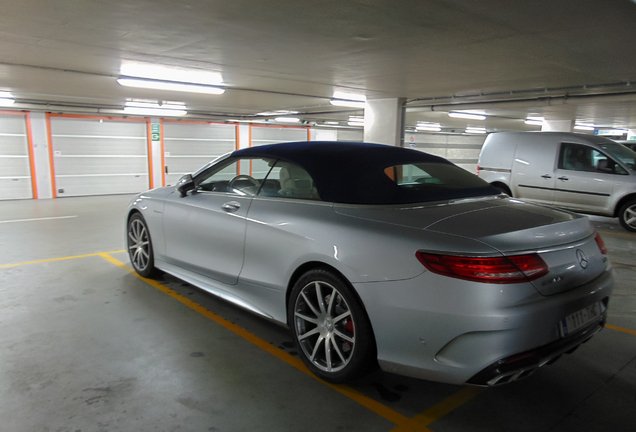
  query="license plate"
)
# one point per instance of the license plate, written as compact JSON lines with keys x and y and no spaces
{"x":581,"y":318}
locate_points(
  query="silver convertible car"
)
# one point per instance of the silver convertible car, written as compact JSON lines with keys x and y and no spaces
{"x":373,"y":254}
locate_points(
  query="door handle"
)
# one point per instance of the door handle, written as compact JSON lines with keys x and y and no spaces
{"x":231,"y":206}
{"x":563,"y":178}
{"x":546,"y":176}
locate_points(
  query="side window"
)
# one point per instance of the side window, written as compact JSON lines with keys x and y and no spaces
{"x":230,"y":178}
{"x":287,"y":180}
{"x":577,"y":157}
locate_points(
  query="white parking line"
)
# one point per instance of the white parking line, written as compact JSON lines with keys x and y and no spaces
{"x":38,"y":219}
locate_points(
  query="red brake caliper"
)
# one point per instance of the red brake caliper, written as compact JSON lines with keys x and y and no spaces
{"x":349,"y":326}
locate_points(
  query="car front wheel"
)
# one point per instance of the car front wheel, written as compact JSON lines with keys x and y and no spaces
{"x":140,"y":246}
{"x":627,"y":215}
{"x":331,"y":329}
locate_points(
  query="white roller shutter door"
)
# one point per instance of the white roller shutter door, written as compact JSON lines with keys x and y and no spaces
{"x":94,"y":157}
{"x":189,"y":145}
{"x":15,"y":165}
{"x":354,"y":135}
{"x":263,"y":135}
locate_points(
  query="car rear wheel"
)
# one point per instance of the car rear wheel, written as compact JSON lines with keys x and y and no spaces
{"x":331,"y":329}
{"x":140,"y":246}
{"x":627,"y":215}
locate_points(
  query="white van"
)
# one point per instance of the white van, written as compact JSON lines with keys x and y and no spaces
{"x":582,"y":173}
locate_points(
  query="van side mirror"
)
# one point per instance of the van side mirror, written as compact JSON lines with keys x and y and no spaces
{"x":185,"y":184}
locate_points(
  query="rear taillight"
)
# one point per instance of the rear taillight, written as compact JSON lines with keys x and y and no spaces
{"x":600,"y":243}
{"x":512,"y":269}
{"x":477,"y":171}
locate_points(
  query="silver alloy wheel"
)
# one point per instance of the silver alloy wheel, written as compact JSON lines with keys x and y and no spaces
{"x":324,"y":326}
{"x":629,"y":216}
{"x":138,"y":245}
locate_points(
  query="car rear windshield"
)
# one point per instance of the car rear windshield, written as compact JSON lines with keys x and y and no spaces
{"x":427,"y":176}
{"x":421,"y":182}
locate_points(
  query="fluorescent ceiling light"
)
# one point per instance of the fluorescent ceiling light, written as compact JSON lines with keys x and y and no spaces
{"x":170,"y":73}
{"x":356,"y":121}
{"x":331,"y":122}
{"x":349,"y":96}
{"x":583,"y":127}
{"x":347,"y":103}
{"x":475,"y":130}
{"x":170,"y":85}
{"x":5,"y":95}
{"x":276,"y":113}
{"x":428,"y":128}
{"x":532,"y":122}
{"x":287,"y":119}
{"x":6,"y":102}
{"x":469,"y":116}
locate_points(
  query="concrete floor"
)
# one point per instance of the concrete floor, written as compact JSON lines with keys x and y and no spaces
{"x":87,"y":346}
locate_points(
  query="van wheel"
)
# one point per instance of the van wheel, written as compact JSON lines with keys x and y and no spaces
{"x":627,"y":215}
{"x":503,"y":189}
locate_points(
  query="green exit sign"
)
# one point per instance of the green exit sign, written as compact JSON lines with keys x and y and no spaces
{"x":155,"y":131}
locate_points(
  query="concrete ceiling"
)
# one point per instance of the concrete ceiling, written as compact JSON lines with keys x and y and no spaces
{"x":561,"y":59}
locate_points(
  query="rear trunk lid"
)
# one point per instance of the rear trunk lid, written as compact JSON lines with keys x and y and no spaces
{"x":565,"y":241}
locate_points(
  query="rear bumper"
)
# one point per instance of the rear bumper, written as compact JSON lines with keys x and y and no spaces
{"x":443,"y":329}
{"x":522,"y":365}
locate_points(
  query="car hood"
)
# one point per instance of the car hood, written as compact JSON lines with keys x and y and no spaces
{"x":506,"y":224}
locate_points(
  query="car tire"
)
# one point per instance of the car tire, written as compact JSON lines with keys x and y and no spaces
{"x":627,"y":215}
{"x":139,"y":245}
{"x":333,"y":336}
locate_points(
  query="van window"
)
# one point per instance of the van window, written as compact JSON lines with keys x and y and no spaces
{"x":577,"y":157}
{"x":618,"y":151}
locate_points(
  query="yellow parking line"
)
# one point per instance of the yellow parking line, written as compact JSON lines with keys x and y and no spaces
{"x":444,"y":407}
{"x":57,"y":259}
{"x":624,"y":330}
{"x":403,"y":422}
{"x":615,"y":233}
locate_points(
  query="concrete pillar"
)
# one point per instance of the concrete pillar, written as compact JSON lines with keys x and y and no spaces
{"x":384,"y":121}
{"x":557,"y":125}
{"x":41,"y":159}
{"x":324,"y":135}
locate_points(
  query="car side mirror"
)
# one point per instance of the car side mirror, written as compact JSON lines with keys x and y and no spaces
{"x":185,"y":184}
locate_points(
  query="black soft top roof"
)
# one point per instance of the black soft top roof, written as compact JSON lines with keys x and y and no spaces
{"x":353,"y":173}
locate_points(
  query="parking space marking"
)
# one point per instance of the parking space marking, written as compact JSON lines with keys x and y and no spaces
{"x":402,"y":422}
{"x":38,"y":219}
{"x":446,"y":406}
{"x":615,"y":233}
{"x":621,"y":329}
{"x":57,"y":259}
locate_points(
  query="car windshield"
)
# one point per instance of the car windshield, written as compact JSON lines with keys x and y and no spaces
{"x":622,"y":153}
